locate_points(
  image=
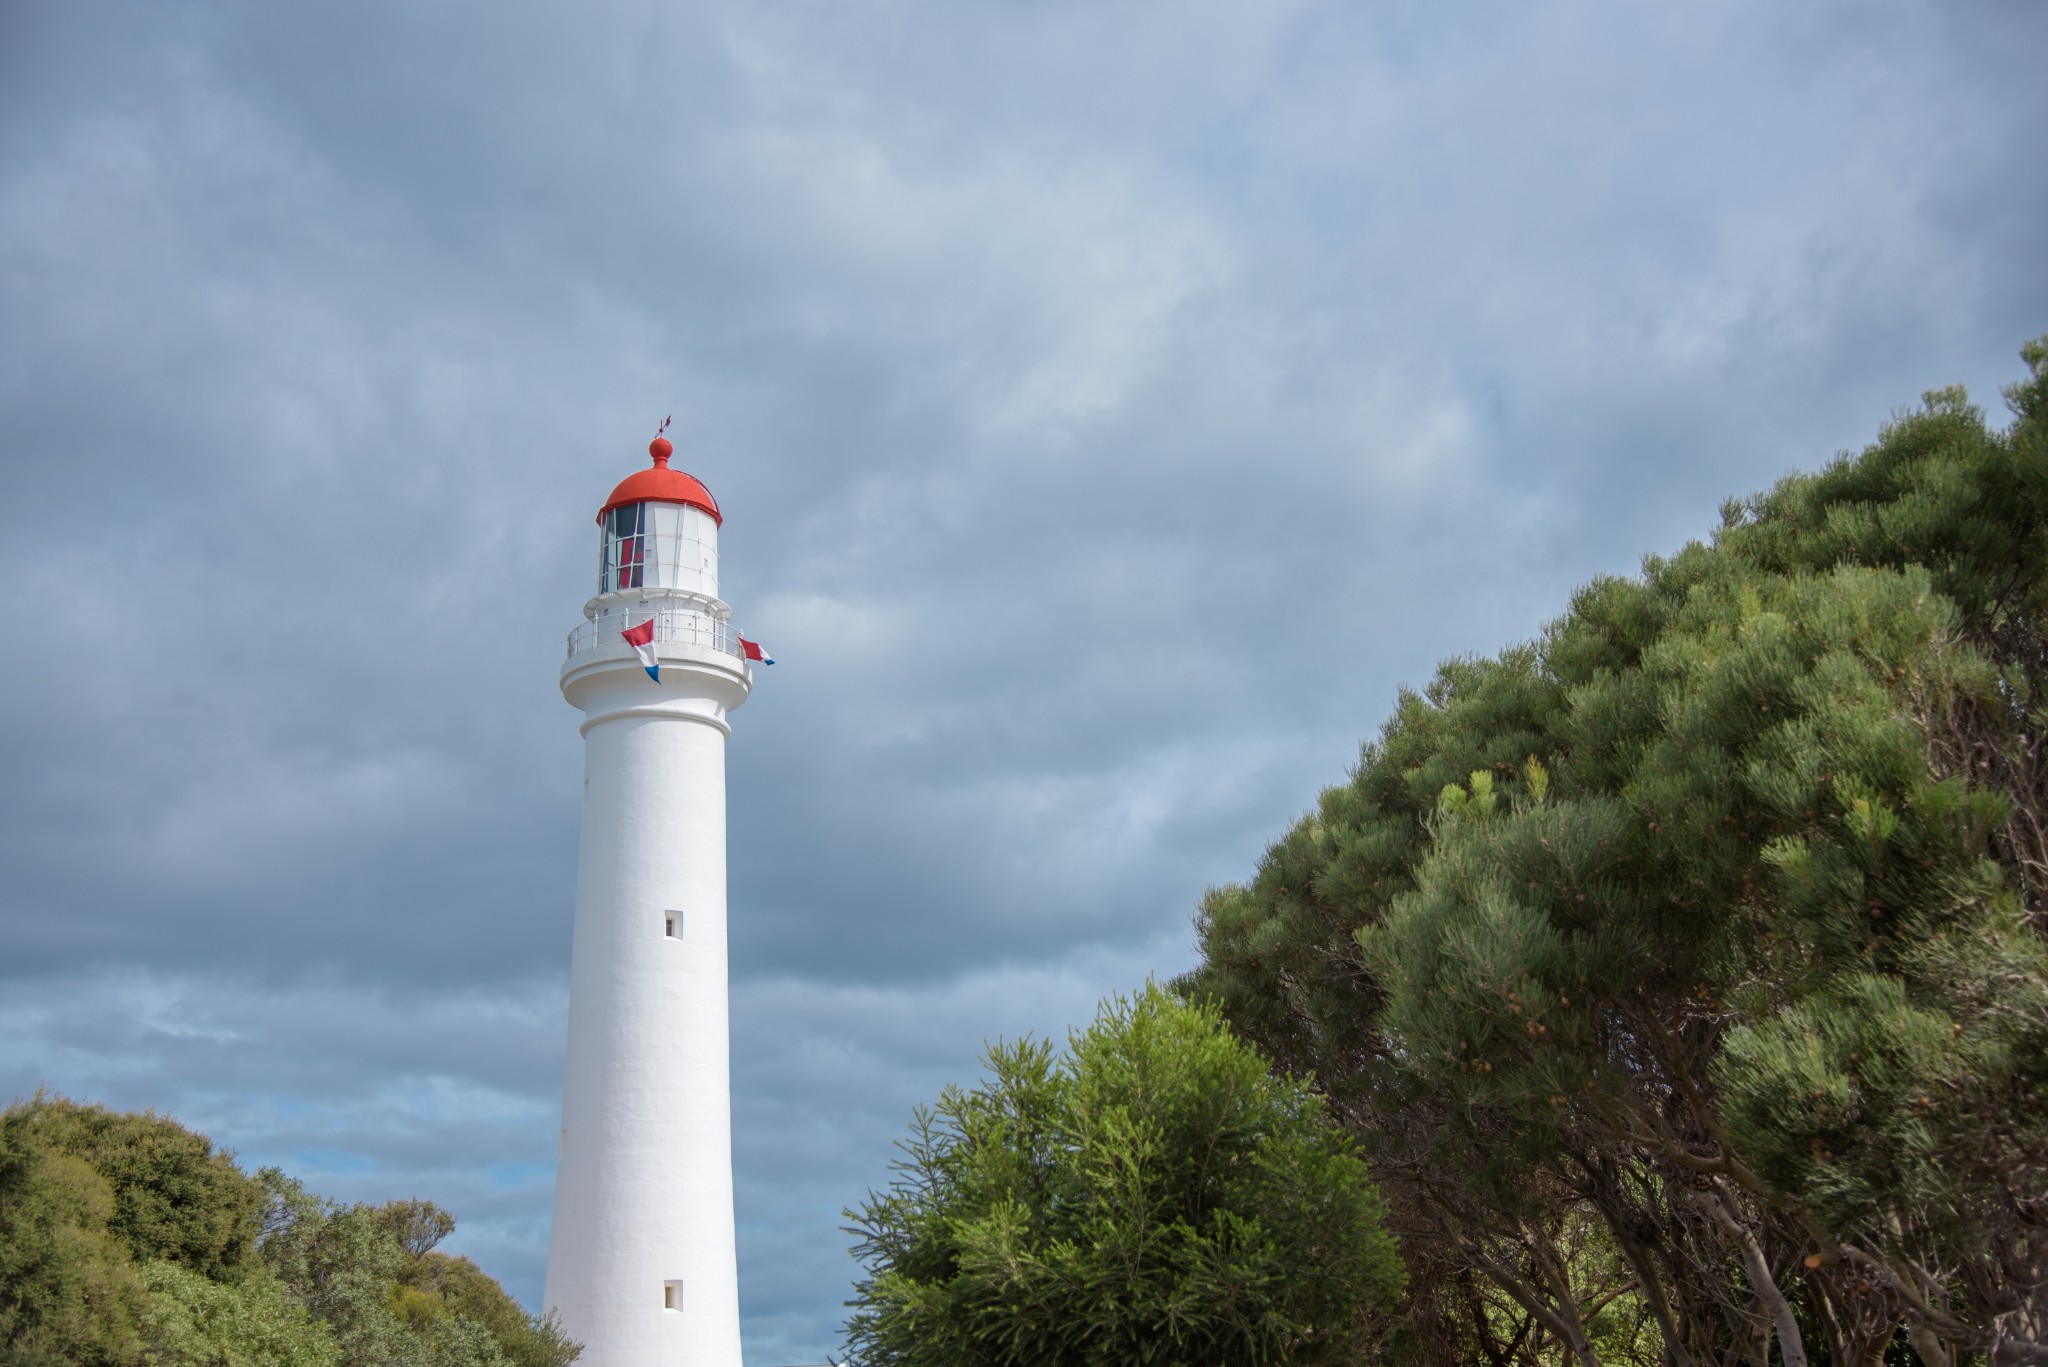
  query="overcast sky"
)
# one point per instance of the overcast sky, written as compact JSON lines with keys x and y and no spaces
{"x":1112,"y":406}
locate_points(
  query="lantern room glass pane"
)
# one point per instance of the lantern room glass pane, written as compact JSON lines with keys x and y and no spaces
{"x":659,"y":546}
{"x":664,"y":523}
{"x":624,"y":553}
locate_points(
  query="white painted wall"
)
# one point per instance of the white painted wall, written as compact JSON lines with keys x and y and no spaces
{"x":643,"y":1190}
{"x":682,"y":548}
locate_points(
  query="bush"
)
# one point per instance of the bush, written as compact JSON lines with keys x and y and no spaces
{"x":1158,"y":1196}
{"x":129,"y":1241}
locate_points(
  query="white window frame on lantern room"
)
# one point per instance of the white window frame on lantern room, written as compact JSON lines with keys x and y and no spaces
{"x":658,"y":545}
{"x":622,"y":549}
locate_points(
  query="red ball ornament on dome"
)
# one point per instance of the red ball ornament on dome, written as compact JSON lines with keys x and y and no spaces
{"x":661,"y":484}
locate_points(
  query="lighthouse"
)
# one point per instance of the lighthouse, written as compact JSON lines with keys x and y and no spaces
{"x":641,"y":1262}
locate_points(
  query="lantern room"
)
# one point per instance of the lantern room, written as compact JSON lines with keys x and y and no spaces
{"x":659,"y":530}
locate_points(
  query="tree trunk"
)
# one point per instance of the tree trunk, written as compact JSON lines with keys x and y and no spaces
{"x":1562,"y":1322}
{"x":1721,"y":1206}
{"x":1567,"y":1308}
{"x":1933,"y":1352}
{"x":1612,"y":1204}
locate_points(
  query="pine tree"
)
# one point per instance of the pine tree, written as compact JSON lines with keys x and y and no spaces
{"x":1716,"y":916}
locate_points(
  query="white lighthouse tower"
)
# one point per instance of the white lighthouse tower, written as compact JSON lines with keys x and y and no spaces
{"x":641,"y":1262}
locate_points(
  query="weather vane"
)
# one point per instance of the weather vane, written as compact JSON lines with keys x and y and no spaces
{"x":664,"y":425}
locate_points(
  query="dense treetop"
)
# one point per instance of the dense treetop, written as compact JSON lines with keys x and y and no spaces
{"x":1683,"y":972}
{"x":129,"y":1241}
{"x":1156,"y":1195}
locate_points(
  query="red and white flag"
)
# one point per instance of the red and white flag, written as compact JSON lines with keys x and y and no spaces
{"x":752,"y":650}
{"x":641,"y":638}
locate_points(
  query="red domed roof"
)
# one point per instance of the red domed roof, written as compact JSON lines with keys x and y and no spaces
{"x":662,"y":485}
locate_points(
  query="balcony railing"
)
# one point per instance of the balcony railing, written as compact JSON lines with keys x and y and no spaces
{"x":672,"y":626}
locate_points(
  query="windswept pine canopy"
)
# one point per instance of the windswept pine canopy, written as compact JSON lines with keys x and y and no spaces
{"x":1684,"y":972}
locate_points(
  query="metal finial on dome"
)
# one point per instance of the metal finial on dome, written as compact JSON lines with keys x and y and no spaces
{"x":661,"y":484}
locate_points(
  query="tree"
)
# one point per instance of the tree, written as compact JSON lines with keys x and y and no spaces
{"x":68,"y":1290}
{"x":370,"y":1275}
{"x":1714,"y":916}
{"x":192,"y":1320}
{"x":128,"y":1240}
{"x":176,"y":1196}
{"x":1156,"y":1196}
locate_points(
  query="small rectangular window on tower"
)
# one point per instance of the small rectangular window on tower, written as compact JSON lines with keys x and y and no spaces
{"x":672,"y":1296}
{"x":672,"y":923}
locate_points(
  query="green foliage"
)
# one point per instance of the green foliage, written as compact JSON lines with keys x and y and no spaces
{"x":416,"y":1225}
{"x":450,"y":1291}
{"x":129,"y":1241}
{"x":1717,"y":914}
{"x":387,"y":1304}
{"x":68,"y":1292}
{"x":191,"y":1320}
{"x":1157,"y":1196}
{"x":175,"y":1196}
